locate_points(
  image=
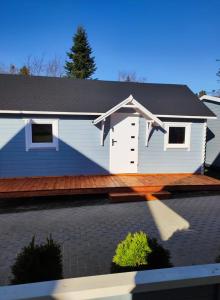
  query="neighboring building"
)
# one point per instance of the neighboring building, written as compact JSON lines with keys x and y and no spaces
{"x":213,"y":132}
{"x":61,"y":126}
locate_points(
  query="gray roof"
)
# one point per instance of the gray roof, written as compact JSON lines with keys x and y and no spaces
{"x":37,"y":93}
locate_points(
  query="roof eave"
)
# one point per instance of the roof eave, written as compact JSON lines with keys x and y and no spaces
{"x":186,"y":117}
{"x":29,"y":112}
{"x":210,"y":98}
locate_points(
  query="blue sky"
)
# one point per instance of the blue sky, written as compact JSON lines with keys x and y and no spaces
{"x":167,"y":41}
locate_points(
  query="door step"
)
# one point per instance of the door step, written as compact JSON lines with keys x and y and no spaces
{"x":132,"y":196}
{"x":163,"y":195}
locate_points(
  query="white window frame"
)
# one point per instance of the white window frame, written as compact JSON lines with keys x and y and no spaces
{"x":185,"y":145}
{"x":28,"y":134}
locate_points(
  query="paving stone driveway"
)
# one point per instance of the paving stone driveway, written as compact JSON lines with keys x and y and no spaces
{"x":89,"y":233}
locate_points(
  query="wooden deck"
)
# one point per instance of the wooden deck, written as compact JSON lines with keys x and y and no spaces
{"x":75,"y":185}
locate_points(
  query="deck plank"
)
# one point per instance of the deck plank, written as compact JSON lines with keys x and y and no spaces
{"x":71,"y":185}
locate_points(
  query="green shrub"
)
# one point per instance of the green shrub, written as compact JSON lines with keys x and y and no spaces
{"x":38,"y":263}
{"x":132,"y":252}
{"x":138,"y":252}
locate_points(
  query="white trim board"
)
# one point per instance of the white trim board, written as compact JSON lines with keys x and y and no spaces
{"x":131,"y":102}
{"x":148,"y":132}
{"x":185,"y":117}
{"x":210,"y":98}
{"x":112,"y":110}
{"x":203,"y":152}
{"x":34,"y":112}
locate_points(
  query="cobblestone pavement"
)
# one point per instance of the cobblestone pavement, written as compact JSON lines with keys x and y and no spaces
{"x":89,"y":233}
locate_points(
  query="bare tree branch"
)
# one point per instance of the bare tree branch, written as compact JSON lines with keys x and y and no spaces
{"x":3,"y":69}
{"x":218,"y":72}
{"x":130,"y":77}
{"x":54,"y":67}
{"x":12,"y":69}
{"x":35,"y":64}
{"x":27,"y":63}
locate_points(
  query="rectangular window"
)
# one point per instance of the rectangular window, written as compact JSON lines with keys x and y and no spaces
{"x":177,"y":135}
{"x":41,"y":133}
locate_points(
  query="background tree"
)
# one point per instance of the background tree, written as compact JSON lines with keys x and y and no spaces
{"x":3,"y":69}
{"x":24,"y":71}
{"x":54,"y":67}
{"x":36,"y":66}
{"x":201,"y":93}
{"x":12,"y":69}
{"x":217,"y":92}
{"x":81,"y":64}
{"x":130,"y":77}
{"x":218,"y":72}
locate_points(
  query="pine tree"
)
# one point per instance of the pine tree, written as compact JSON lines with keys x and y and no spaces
{"x":24,"y":71}
{"x":81,"y":64}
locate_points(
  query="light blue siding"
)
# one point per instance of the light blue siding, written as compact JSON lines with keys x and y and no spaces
{"x":153,"y":159}
{"x":80,"y":151}
{"x":213,"y":136}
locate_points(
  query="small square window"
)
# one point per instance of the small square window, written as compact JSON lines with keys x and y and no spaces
{"x":176,"y":135}
{"x":42,"y":133}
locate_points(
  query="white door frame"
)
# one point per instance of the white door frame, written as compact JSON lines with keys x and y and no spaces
{"x":111,"y":166}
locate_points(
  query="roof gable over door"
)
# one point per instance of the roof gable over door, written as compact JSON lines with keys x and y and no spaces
{"x":130,"y":102}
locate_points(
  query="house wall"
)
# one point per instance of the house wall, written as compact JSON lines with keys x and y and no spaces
{"x":213,"y":136}
{"x":80,"y":151}
{"x":153,"y":159}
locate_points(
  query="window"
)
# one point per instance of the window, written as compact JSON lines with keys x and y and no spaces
{"x":41,"y":133}
{"x":177,"y":135}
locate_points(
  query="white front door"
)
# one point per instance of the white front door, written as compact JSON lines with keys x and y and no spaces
{"x":124,"y":143}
